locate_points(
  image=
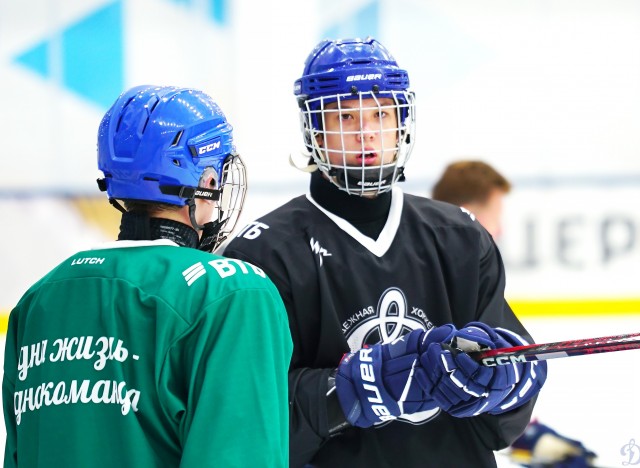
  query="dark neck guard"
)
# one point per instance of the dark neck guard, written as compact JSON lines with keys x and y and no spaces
{"x":368,"y":215}
{"x":139,"y":226}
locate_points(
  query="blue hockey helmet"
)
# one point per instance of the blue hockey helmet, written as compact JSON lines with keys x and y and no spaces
{"x":348,"y":67}
{"x":155,"y":143}
{"x":165,"y":145}
{"x":355,"y":69}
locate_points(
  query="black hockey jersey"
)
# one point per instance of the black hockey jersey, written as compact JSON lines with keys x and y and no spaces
{"x":431,"y":264}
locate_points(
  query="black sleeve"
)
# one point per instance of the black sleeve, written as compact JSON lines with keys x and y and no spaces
{"x":499,"y":431}
{"x":308,"y":426}
{"x":493,"y":308}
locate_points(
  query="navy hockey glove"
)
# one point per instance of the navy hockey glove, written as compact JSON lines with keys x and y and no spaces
{"x":532,"y":377}
{"x":376,"y":384}
{"x":461,"y":386}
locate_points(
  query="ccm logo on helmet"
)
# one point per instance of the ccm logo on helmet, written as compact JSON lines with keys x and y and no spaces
{"x":210,"y":147}
{"x":367,"y":77}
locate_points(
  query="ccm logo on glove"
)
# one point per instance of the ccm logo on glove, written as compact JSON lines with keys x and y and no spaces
{"x":502,"y":360}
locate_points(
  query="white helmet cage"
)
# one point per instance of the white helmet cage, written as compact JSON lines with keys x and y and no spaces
{"x":233,"y":188}
{"x":362,"y":180}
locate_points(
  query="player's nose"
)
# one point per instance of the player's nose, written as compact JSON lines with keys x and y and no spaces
{"x":367,"y":132}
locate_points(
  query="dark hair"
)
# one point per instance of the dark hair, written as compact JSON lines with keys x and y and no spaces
{"x":465,"y":182}
{"x":141,"y":206}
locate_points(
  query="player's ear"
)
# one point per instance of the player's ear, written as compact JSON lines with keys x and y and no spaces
{"x":208,"y":180}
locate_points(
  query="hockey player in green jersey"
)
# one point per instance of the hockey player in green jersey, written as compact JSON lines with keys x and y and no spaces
{"x":151,"y":351}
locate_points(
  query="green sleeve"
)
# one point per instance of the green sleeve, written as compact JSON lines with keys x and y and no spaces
{"x":8,"y":388}
{"x":236,"y":408}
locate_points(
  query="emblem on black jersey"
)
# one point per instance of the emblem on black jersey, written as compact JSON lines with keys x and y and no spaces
{"x":317,"y":249}
{"x":390,"y":320}
{"x":385,"y":323}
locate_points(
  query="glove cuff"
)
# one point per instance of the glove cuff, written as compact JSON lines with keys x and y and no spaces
{"x":336,"y":422}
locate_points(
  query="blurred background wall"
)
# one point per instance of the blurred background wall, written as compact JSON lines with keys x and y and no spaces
{"x":547,"y":91}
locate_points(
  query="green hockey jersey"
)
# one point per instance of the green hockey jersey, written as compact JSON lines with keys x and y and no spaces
{"x":146,"y":354}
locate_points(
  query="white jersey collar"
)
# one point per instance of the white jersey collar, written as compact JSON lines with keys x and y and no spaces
{"x":381,"y":245}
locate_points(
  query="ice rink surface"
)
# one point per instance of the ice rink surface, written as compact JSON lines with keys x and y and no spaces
{"x":593,"y":399}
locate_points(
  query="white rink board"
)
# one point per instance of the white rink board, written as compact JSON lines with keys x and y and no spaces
{"x":573,"y":241}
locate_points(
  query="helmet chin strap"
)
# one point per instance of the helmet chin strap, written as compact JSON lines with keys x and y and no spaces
{"x":192,"y":215}
{"x":209,"y":238}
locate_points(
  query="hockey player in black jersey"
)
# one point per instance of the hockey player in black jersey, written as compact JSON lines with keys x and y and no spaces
{"x":385,"y":290}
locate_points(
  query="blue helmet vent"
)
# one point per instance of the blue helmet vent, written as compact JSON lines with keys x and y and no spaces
{"x":176,"y":140}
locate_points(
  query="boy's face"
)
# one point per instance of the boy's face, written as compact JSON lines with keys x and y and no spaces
{"x":360,"y":133}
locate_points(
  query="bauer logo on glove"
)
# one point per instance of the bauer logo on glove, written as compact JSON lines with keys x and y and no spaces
{"x":376,"y":385}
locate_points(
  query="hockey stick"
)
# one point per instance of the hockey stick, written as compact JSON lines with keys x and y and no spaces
{"x":558,"y":349}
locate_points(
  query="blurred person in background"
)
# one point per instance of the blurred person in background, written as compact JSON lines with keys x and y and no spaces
{"x":384,"y":289}
{"x":150,"y":351}
{"x":477,"y":187}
